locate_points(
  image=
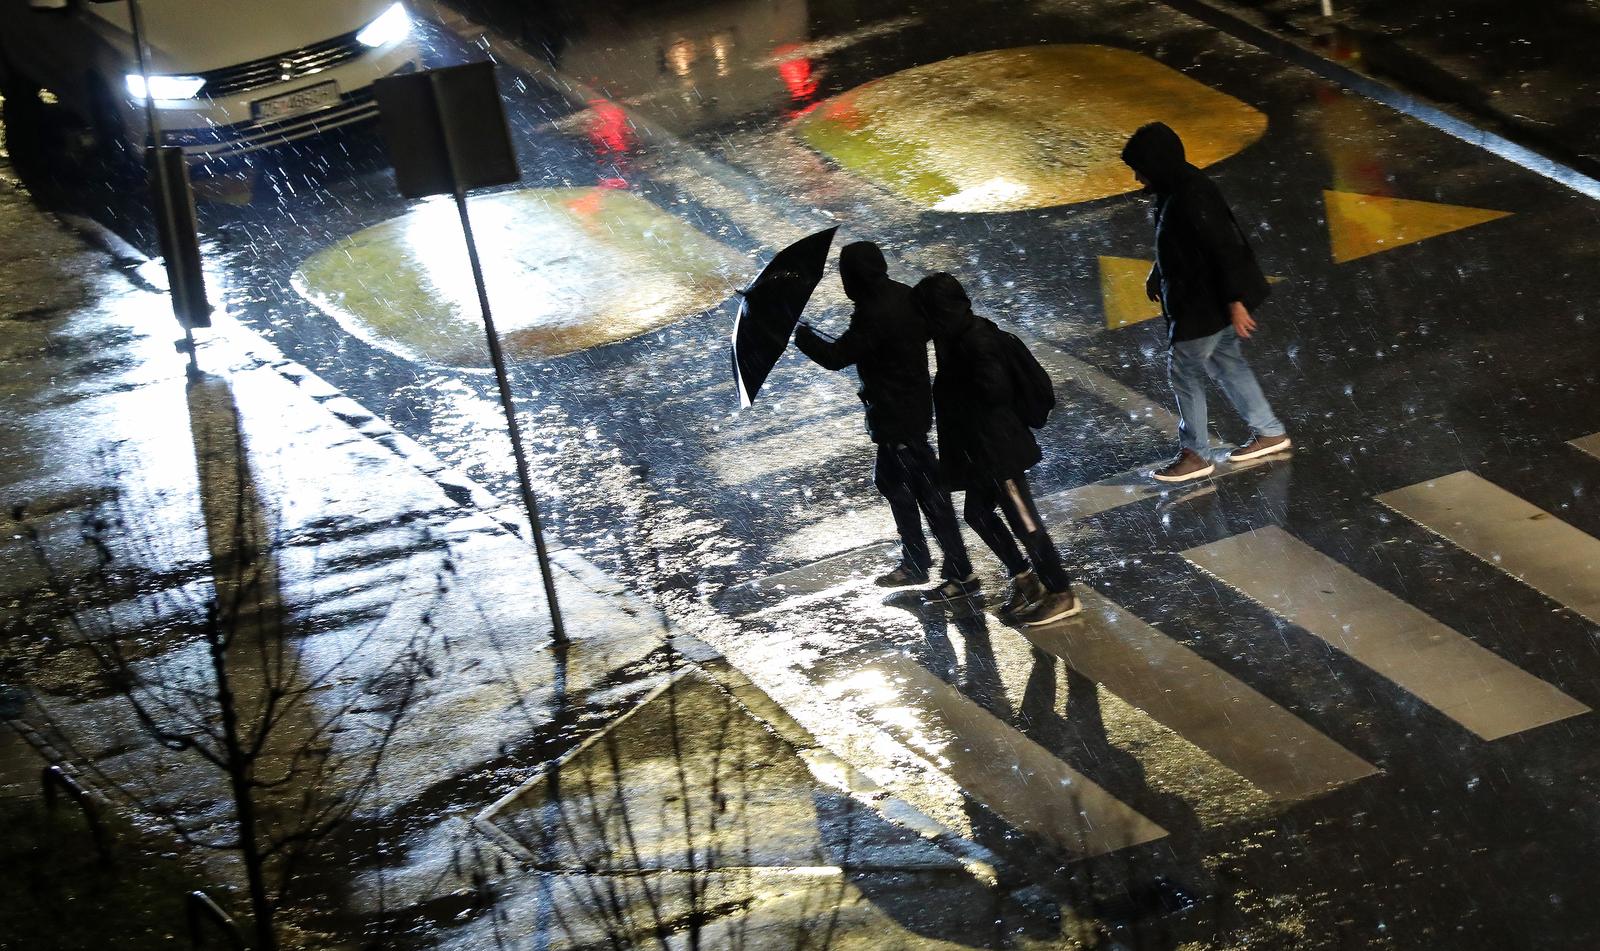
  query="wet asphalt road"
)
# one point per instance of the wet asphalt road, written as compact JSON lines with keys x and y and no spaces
{"x":1472,"y":351}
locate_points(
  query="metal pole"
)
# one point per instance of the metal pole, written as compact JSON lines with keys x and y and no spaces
{"x":136,"y":21}
{"x":200,"y":909}
{"x":559,"y":633}
{"x":53,"y":778}
{"x":153,"y":134}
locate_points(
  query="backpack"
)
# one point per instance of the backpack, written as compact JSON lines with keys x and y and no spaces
{"x":1036,"y":395}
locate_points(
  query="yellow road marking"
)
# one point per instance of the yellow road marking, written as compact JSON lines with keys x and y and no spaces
{"x":1122,"y":292}
{"x":1359,"y":225}
{"x":1014,"y":129}
{"x":567,"y":269}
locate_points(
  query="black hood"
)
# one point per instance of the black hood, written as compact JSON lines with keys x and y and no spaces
{"x":944,"y":304}
{"x":1156,"y":152}
{"x":861,"y":269}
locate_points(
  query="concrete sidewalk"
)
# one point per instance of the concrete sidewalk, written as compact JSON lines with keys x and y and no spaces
{"x":113,"y":458}
{"x":133,"y":497}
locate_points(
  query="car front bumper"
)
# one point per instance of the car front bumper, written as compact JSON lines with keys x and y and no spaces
{"x":228,"y":126}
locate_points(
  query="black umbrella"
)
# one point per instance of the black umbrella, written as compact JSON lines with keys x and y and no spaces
{"x":770,"y":307}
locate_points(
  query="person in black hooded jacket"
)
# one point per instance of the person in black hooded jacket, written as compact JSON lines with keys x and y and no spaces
{"x":985,"y":448}
{"x":887,"y":343}
{"x":1207,"y":281}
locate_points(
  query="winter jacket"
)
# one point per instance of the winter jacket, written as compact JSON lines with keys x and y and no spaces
{"x":982,"y":438}
{"x":1203,"y":262}
{"x":887,"y":343}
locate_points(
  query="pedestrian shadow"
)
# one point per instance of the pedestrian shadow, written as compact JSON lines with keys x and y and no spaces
{"x":1129,"y":892}
{"x":1077,"y":732}
{"x":976,"y":672}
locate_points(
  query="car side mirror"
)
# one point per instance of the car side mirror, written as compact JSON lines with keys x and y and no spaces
{"x":49,"y":6}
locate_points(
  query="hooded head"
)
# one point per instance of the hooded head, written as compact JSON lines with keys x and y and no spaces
{"x":861,"y":268}
{"x":1156,"y":153}
{"x":944,"y":304}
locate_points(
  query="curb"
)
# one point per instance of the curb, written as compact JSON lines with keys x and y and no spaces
{"x":1298,"y":50}
{"x":1385,"y":48}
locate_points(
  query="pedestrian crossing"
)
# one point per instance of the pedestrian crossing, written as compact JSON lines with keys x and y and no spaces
{"x":1026,"y":784}
{"x":1068,"y":505}
{"x":1439,"y":666}
{"x":1228,"y":721}
{"x":1515,"y":536}
{"x":1269,"y":746}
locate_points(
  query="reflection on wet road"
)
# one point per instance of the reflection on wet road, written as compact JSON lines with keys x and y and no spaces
{"x":1278,"y":672}
{"x":1011,"y":130}
{"x":568,"y":269}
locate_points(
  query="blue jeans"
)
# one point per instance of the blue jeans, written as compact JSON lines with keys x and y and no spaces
{"x":1219,"y":357}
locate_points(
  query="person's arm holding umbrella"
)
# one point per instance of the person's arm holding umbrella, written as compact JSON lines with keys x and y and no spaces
{"x":832,"y":353}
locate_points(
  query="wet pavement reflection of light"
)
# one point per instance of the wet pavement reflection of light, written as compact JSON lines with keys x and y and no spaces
{"x":1393,"y":368}
{"x":623,"y":268}
{"x":1010,"y":130}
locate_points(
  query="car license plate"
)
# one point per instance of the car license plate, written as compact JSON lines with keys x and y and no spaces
{"x":309,"y":99}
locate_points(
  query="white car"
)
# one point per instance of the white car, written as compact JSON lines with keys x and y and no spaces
{"x":226,"y":77}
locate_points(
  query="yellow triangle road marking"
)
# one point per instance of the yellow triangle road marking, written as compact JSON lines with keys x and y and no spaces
{"x":1360,"y":225}
{"x":1122,"y":292}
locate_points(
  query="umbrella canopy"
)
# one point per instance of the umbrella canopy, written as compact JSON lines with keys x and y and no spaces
{"x":770,"y":307}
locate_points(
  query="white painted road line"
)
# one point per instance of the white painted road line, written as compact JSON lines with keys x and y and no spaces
{"x":1018,"y":779}
{"x":1067,"y":369}
{"x":1473,"y":686}
{"x":1514,"y":535}
{"x":1058,"y":508}
{"x":1272,"y":748}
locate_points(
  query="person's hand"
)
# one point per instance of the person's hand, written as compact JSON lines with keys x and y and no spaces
{"x":1243,"y":324}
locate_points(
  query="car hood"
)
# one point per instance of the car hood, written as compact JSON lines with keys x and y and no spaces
{"x":193,"y":36}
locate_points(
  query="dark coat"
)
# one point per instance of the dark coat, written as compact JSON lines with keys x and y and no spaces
{"x":1203,"y":262}
{"x":982,"y":438}
{"x":887,"y":342}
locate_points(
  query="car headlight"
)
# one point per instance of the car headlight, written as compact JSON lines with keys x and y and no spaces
{"x":394,"y":25}
{"x":163,"y":87}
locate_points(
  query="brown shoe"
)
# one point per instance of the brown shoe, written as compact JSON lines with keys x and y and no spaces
{"x":1188,"y":466}
{"x":1054,"y":606}
{"x":1260,"y":446}
{"x":1026,"y":590}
